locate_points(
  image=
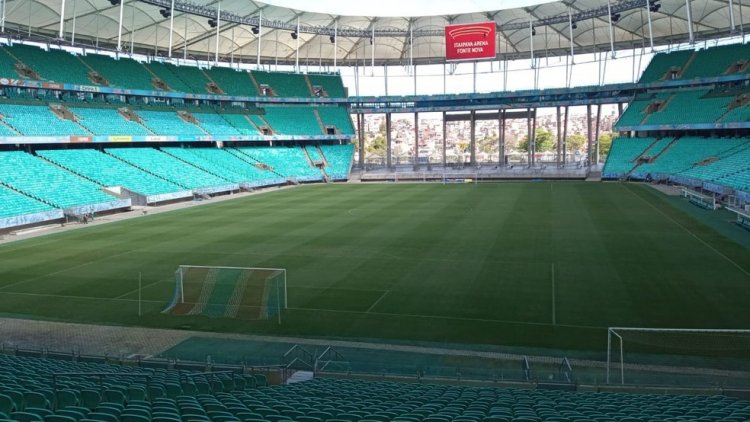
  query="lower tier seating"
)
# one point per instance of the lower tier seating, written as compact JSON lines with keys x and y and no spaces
{"x":722,"y":161}
{"x":109,"y":171}
{"x":107,"y":121}
{"x":167,"y":167}
{"x":28,"y":393}
{"x":287,"y":162}
{"x":339,"y":158}
{"x":13,"y":203}
{"x":47,"y":182}
{"x":37,"y":120}
{"x":221,"y":162}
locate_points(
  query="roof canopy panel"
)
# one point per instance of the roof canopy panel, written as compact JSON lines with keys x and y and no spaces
{"x":331,"y":31}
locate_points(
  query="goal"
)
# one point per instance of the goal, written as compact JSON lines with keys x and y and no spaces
{"x":708,"y":351}
{"x":229,"y":292}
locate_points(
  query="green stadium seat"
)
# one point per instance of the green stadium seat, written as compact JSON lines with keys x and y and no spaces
{"x":26,"y":417}
{"x":59,"y":418}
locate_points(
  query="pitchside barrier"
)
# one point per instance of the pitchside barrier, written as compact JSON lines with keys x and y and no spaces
{"x":712,"y":352}
{"x":229,"y":292}
{"x":701,"y":200}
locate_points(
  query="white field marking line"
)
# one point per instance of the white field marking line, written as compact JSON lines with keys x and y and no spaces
{"x":68,"y":268}
{"x":80,"y":297}
{"x":352,"y":289}
{"x":554,"y":319}
{"x":385,"y":293}
{"x":744,"y":271}
{"x":142,"y":287}
{"x":540,"y":324}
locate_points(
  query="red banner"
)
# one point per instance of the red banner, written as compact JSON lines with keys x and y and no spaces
{"x":470,"y":41}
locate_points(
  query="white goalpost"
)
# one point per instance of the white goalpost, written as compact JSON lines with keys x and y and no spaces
{"x":695,"y":342}
{"x":229,"y":292}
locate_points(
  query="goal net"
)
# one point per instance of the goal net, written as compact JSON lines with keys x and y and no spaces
{"x":636,"y":354}
{"x":229,"y":292}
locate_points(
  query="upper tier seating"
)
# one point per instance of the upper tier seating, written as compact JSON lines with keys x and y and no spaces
{"x":192,"y":76}
{"x":8,"y":65}
{"x":13,"y":203}
{"x":47,"y":182}
{"x":233,"y":82}
{"x":716,"y":61}
{"x":168,"y":123}
{"x":32,"y":120}
{"x":167,"y":167}
{"x":288,"y":162}
{"x":622,"y":155}
{"x":109,"y":171}
{"x":53,"y":65}
{"x":331,"y":84}
{"x":6,"y":131}
{"x":123,"y":73}
{"x":215,"y":124}
{"x":338,"y":117}
{"x":107,"y":121}
{"x":662,"y":63}
{"x":224,"y":163}
{"x":284,"y":84}
{"x":64,"y":67}
{"x":292,"y":120}
{"x":339,"y":158}
{"x":166,"y":72}
{"x":685,"y":153}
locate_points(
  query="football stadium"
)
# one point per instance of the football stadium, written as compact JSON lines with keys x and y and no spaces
{"x":416,"y":211}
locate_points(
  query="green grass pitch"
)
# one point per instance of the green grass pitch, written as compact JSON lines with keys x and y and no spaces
{"x":529,"y":264}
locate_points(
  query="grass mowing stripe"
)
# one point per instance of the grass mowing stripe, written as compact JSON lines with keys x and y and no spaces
{"x":738,"y":266}
{"x":469,"y":264}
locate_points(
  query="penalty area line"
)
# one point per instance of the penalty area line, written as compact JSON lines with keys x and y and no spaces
{"x":385,"y":293}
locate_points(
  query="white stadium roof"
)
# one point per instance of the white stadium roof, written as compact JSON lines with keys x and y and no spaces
{"x":95,"y":22}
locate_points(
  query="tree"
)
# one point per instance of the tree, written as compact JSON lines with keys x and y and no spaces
{"x":544,"y":141}
{"x":376,"y":146}
{"x":605,"y":142}
{"x":576,"y":141}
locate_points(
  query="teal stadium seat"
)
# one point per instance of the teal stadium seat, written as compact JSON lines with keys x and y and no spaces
{"x":47,"y":182}
{"x":167,"y":167}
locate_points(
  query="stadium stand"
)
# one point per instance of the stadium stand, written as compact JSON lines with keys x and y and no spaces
{"x":622,"y":155}
{"x":13,"y":203}
{"x":339,"y":158}
{"x":233,"y":82}
{"x":52,"y":65}
{"x":167,"y":167}
{"x":168,"y":123}
{"x":229,"y":166}
{"x":283,"y":84}
{"x":47,"y":182}
{"x":241,"y":122}
{"x":109,"y":171}
{"x":666,"y":65}
{"x":288,"y":162}
{"x":192,"y":76}
{"x":330,"y":84}
{"x":167,"y":73}
{"x":690,"y":107}
{"x":137,"y":394}
{"x":683,"y":154}
{"x":107,"y":121}
{"x":8,"y":65}
{"x":337,"y":117}
{"x":717,"y":61}
{"x":292,"y":120}
{"x":123,"y":72}
{"x":37,"y":120}
{"x":215,"y":124}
